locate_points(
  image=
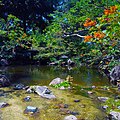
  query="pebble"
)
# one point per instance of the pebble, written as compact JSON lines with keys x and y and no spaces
{"x":77,"y":100}
{"x":103,"y":99}
{"x":90,"y":92}
{"x":3,"y":104}
{"x":63,"y":106}
{"x":27,"y":99}
{"x":31,"y":110}
{"x":93,"y":86}
{"x":74,"y":113}
{"x":118,"y":107}
{"x":105,"y":107}
{"x":70,"y":117}
{"x":18,"y":87}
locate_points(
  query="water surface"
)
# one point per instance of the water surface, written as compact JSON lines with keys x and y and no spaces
{"x":42,"y":75}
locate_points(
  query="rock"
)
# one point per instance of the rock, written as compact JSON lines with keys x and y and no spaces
{"x":118,"y":107}
{"x":63,"y":105}
{"x":70,"y":117}
{"x":105,"y":107}
{"x":74,"y":113}
{"x":3,"y":62}
{"x":115,"y":73}
{"x":115,"y":115}
{"x":30,"y":90}
{"x":56,"y":81}
{"x":27,"y":99}
{"x":117,"y":97}
{"x":62,"y":88}
{"x":43,"y":91}
{"x":77,"y":100}
{"x":31,"y":110}
{"x":90,"y":92}
{"x":4,"y":81}
{"x":103,"y":99}
{"x":70,"y":62}
{"x":3,"y":104}
{"x":19,"y":87}
{"x":93,"y":86}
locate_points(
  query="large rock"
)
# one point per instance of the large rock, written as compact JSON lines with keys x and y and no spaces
{"x":70,"y":117}
{"x":115,"y":115}
{"x":56,"y":81}
{"x":43,"y":91}
{"x":4,"y":81}
{"x":115,"y":73}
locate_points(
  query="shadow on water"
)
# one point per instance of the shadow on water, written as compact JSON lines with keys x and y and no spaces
{"x":42,"y":75}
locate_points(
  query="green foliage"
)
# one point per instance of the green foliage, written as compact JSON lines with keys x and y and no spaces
{"x":65,"y":84}
{"x":12,"y":35}
{"x":112,"y":105}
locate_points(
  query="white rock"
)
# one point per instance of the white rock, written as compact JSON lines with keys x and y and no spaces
{"x":56,"y":81}
{"x":103,"y":99}
{"x":116,"y":115}
{"x":70,"y":117}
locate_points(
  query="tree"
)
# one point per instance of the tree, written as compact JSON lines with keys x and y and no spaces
{"x":32,"y":13}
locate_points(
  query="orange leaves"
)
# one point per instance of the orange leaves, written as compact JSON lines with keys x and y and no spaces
{"x":99,"y":35}
{"x":89,"y":23}
{"x":87,"y":38}
{"x":111,"y":10}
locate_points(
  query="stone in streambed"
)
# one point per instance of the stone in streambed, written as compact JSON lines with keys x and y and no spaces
{"x":115,"y":115}
{"x":31,"y":110}
{"x":44,"y":92}
{"x":70,"y":117}
{"x":27,"y":99}
{"x":77,"y":100}
{"x":3,"y":104}
{"x":103,"y":99}
{"x":19,"y":87}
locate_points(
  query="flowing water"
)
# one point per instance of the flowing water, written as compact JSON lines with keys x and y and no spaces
{"x":42,"y":75}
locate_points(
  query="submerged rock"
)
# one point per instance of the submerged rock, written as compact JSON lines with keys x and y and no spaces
{"x":70,"y":117}
{"x":27,"y":99}
{"x":43,"y":91}
{"x":3,"y":104}
{"x":115,"y":115}
{"x":103,"y":99}
{"x":19,"y":87}
{"x":77,"y":100}
{"x":105,"y":107}
{"x":4,"y":81}
{"x":56,"y":81}
{"x":31,"y":110}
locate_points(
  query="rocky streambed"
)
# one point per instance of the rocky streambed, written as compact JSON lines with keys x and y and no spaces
{"x":83,"y":103}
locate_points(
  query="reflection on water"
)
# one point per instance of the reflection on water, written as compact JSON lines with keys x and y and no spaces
{"x":42,"y":75}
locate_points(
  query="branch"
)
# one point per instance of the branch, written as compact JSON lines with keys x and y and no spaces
{"x":71,"y":35}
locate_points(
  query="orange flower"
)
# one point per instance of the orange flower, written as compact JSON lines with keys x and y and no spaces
{"x":89,"y":23}
{"x":111,"y":10}
{"x":99,"y":35}
{"x":107,"y":12}
{"x":87,"y":38}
